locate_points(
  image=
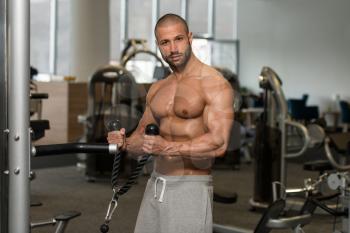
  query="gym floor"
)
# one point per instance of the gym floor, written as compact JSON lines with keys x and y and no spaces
{"x":65,"y":188}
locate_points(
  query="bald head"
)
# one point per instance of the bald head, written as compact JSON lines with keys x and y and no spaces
{"x":170,"y":19}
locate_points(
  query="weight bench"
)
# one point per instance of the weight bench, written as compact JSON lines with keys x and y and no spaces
{"x":271,"y":219}
{"x":61,"y":220}
{"x":341,"y":143}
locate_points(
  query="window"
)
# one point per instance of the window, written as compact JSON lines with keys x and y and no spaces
{"x":40,"y":38}
{"x":169,"y":6}
{"x":226,"y":19}
{"x":40,"y":34}
{"x":198,"y":17}
{"x":63,"y":37}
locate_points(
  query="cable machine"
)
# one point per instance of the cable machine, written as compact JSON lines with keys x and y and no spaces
{"x":3,"y":119}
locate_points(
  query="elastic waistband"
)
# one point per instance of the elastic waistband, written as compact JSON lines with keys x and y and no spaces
{"x":182,"y":178}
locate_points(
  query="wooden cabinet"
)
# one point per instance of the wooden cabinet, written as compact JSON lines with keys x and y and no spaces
{"x":66,"y":101}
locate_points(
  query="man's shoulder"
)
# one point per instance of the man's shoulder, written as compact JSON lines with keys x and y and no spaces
{"x":213,"y":76}
{"x":157,"y":85}
{"x":214,"y":84}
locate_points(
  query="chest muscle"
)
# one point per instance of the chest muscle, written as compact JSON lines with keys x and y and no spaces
{"x":182,"y":101}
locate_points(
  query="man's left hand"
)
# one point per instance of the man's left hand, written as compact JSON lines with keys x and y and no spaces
{"x":155,"y":145}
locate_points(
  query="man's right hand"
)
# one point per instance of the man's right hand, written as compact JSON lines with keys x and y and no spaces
{"x":117,"y":137}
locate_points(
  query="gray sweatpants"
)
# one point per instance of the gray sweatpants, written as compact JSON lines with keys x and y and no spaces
{"x":176,"y":204}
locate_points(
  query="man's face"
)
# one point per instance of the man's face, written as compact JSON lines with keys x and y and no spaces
{"x":174,"y":44}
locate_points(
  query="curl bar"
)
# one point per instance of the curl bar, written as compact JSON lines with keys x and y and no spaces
{"x":57,"y":149}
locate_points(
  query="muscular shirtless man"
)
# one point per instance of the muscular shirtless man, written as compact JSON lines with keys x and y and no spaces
{"x":193,"y":107}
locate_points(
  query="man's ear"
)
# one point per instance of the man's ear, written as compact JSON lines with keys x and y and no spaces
{"x":190,"y":37}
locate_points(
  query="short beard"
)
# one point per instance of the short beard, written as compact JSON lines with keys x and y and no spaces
{"x":183,"y":63}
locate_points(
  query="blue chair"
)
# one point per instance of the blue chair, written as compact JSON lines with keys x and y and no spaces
{"x":311,"y":112}
{"x":345,"y":114}
{"x":296,"y":108}
{"x":299,"y":111}
{"x":305,"y":98}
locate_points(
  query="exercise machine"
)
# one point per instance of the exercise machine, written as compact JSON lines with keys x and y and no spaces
{"x":16,"y":149}
{"x":113,"y":94}
{"x":15,"y":116}
{"x":271,"y":153}
{"x":273,"y":217}
{"x":139,"y":66}
{"x":271,"y":143}
{"x":270,"y":220}
{"x":337,"y":180}
{"x":3,"y":119}
{"x":340,"y":180}
{"x":60,"y":221}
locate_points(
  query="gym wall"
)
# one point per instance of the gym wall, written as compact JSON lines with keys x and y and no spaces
{"x":306,"y":42}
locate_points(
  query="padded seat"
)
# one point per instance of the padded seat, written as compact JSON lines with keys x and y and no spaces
{"x":67,"y":215}
{"x":39,"y":127}
{"x":225,"y":198}
{"x":341,"y":142}
{"x":318,"y":165}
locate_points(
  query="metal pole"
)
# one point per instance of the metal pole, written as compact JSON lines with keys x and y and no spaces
{"x":18,"y":116}
{"x":211,"y":18}
{"x":184,"y":11}
{"x":3,"y":119}
{"x":155,"y":16}
{"x":53,"y":36}
{"x":235,"y":20}
{"x":237,"y":57}
{"x":123,"y":23}
{"x":235,"y":36}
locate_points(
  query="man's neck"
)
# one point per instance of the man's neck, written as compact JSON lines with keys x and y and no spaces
{"x":181,"y":72}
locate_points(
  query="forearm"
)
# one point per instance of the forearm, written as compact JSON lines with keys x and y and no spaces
{"x":134,"y":147}
{"x":201,"y":147}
